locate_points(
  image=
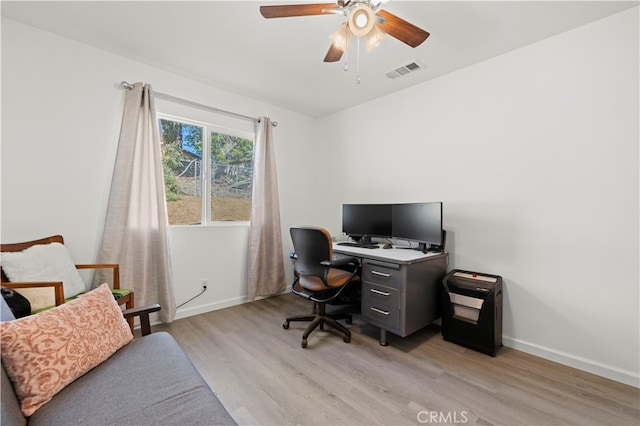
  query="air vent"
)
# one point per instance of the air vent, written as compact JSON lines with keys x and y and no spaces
{"x":404,"y":70}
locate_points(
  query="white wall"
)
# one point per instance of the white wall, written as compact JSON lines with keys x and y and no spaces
{"x":535,"y":156}
{"x":534,"y":153}
{"x":61,"y":112}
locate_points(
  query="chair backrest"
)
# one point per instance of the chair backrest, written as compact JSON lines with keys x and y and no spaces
{"x":13,"y":247}
{"x":312,"y":246}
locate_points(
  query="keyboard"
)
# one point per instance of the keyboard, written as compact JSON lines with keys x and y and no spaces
{"x":360,"y":245}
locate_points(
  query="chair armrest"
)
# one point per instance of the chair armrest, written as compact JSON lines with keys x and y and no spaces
{"x":341,"y":261}
{"x":58,"y":289}
{"x":114,"y":266}
{"x":142,"y":312}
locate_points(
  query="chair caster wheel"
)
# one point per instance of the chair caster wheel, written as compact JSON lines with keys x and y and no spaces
{"x":304,"y":343}
{"x":286,"y":325}
{"x":346,"y":339}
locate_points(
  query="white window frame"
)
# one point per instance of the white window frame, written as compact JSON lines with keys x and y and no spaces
{"x":207,"y":129}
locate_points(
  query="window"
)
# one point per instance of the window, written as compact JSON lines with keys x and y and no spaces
{"x":226,"y":177}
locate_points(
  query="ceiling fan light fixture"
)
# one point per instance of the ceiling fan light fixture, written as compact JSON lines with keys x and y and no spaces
{"x":341,"y":37}
{"x":361,"y":20}
{"x":376,"y":3}
{"x":373,"y":38}
{"x":366,"y":19}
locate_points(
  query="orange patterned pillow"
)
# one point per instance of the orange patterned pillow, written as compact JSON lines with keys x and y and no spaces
{"x":45,"y":352}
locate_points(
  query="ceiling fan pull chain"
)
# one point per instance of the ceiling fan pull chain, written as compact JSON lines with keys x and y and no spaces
{"x":358,"y":63}
{"x":346,"y":48}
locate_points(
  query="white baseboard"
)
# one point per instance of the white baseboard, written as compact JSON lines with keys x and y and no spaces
{"x":201,"y":309}
{"x":221,"y":304}
{"x":604,"y":370}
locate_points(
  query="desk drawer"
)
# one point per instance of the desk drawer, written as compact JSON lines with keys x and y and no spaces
{"x":380,"y":294}
{"x":388,"y":274}
{"x":380,"y":314}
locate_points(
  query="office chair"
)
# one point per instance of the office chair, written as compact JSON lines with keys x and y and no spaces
{"x":320,"y":278}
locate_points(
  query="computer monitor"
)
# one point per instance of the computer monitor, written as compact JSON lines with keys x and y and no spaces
{"x":363,"y":221}
{"x":419,"y":222}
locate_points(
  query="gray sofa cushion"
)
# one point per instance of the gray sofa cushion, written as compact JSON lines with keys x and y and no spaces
{"x":149,"y":381}
{"x":11,"y":414}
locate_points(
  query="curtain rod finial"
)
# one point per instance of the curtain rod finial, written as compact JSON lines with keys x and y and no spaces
{"x":273,"y":123}
{"x":126,"y":85}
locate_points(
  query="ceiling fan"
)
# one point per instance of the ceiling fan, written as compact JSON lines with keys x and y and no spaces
{"x":364,"y":18}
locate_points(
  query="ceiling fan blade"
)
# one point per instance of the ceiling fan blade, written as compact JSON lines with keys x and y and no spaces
{"x":289,"y":10}
{"x":334,"y":54}
{"x":404,"y":31}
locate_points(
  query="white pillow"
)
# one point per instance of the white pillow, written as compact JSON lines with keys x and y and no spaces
{"x":43,"y":262}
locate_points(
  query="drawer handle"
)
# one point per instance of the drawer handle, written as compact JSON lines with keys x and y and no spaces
{"x":381,"y":293}
{"x":380,"y":311}
{"x":382,"y":274}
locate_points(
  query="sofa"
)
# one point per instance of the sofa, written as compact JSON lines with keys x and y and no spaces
{"x":149,"y":380}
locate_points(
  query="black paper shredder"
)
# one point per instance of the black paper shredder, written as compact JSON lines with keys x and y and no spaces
{"x":472,"y":310}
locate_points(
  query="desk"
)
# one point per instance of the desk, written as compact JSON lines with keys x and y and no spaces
{"x":400,"y":288}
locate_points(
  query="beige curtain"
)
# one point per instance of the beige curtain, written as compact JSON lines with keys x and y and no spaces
{"x":135,"y":231}
{"x":266,"y":267}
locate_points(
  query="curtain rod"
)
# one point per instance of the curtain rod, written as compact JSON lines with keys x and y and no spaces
{"x":129,"y":86}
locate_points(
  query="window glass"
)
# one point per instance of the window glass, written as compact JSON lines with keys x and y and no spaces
{"x":232,"y":175}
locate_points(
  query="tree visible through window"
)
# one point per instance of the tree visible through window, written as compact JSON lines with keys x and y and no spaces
{"x":226,"y":177}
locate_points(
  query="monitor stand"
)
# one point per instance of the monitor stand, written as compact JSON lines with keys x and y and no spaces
{"x":365,"y":241}
{"x":429,"y":248}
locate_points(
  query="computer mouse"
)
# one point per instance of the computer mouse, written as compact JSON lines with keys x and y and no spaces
{"x":387,"y":246}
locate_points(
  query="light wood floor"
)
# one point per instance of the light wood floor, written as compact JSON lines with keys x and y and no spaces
{"x":263,"y":376}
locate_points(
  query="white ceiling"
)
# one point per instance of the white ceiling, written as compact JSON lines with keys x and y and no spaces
{"x":230,"y":45}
